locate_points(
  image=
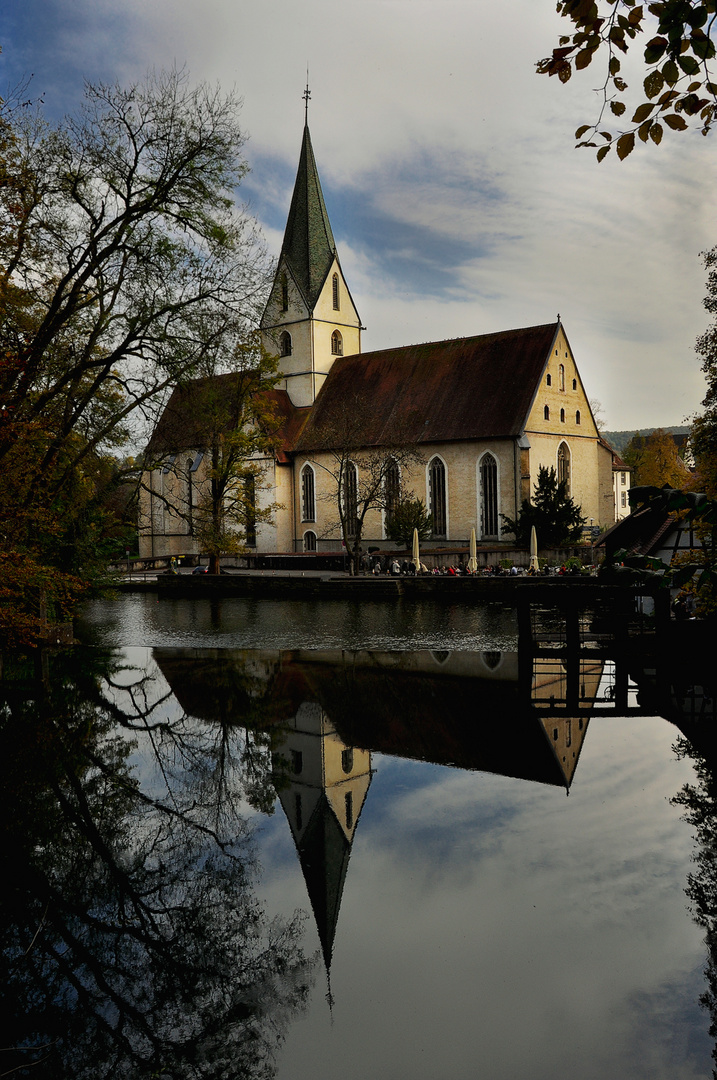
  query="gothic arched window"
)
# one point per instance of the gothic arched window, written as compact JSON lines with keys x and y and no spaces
{"x":335,"y":291}
{"x":285,"y":343}
{"x":308,"y":494}
{"x":577,"y":416}
{"x":564,"y":466}
{"x":437,"y":496}
{"x":561,"y":376}
{"x":489,"y":495}
{"x":546,"y":412}
{"x":250,"y":509}
{"x":337,"y":344}
{"x":309,"y":541}
{"x":392,"y":493}
{"x":350,"y":499}
{"x":190,"y":497}
{"x":562,"y":416}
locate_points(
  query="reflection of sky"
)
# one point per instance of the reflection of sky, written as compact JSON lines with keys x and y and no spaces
{"x":494,"y":927}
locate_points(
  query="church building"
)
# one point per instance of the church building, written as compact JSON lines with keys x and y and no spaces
{"x":481,"y":414}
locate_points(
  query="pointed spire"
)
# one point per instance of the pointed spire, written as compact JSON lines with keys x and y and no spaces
{"x":324,"y":853}
{"x":309,"y":247}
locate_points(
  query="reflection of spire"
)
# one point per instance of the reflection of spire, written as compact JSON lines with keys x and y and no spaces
{"x":328,"y":783}
{"x":565,"y":730}
{"x":324,"y":855}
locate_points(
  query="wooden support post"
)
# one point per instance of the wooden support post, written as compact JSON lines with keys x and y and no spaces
{"x":572,"y":640}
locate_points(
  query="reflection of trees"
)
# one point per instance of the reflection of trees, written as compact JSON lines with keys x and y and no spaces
{"x":700,"y":803}
{"x":131,"y":943}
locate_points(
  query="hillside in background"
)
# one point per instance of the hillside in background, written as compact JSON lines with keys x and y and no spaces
{"x":619,"y":439}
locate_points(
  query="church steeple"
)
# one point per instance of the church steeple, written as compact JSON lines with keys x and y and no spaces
{"x":309,"y":248}
{"x":310,"y":318}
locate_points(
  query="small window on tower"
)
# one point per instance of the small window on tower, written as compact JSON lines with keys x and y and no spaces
{"x":546,"y":412}
{"x":284,"y":293}
{"x":335,"y":288}
{"x":337,"y":345}
{"x":548,"y":380}
{"x":577,"y":416}
{"x":562,"y":416}
{"x":575,"y":384}
{"x":285,"y":343}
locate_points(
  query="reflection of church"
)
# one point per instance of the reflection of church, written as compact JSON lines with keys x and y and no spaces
{"x":323,"y":787}
{"x":329,"y":710}
{"x":550,"y":688}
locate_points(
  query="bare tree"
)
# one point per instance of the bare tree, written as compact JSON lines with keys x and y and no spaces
{"x":126,"y":264}
{"x":364,"y":478}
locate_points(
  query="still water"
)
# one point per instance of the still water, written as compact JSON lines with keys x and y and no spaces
{"x":264,"y":841}
{"x":238,"y":623}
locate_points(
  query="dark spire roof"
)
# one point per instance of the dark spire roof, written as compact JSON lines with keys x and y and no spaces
{"x":309,"y":247}
{"x":324,"y":853}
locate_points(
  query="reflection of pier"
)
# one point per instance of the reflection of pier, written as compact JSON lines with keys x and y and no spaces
{"x":656,"y":666}
{"x":564,"y":647}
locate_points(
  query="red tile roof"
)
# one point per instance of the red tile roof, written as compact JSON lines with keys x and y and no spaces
{"x":210,"y":403}
{"x":618,"y":464}
{"x":292,"y":423}
{"x":466,"y":388}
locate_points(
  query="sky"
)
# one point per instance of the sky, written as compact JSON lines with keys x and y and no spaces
{"x":457,"y":198}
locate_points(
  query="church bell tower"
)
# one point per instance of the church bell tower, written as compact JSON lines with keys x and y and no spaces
{"x":310,"y":319}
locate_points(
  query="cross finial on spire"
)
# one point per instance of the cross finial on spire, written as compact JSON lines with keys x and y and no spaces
{"x":307,"y":98}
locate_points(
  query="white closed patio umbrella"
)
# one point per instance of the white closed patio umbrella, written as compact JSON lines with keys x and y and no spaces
{"x":534,"y":564}
{"x":473,"y":560}
{"x":416,"y":552}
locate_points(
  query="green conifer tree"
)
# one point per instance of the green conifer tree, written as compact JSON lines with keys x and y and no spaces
{"x":556,"y":517}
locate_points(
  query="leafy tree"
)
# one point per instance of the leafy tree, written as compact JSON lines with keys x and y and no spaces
{"x":656,"y":461}
{"x":698,"y":800}
{"x":678,"y":86}
{"x":556,"y":518}
{"x":410,"y":514}
{"x":704,"y":430}
{"x":231,"y":419}
{"x":124,"y":266}
{"x":132,"y":942}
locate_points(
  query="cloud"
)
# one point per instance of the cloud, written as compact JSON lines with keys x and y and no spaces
{"x":448,"y":167}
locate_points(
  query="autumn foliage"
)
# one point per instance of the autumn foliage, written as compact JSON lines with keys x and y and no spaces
{"x":124,"y":265}
{"x":678,"y":89}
